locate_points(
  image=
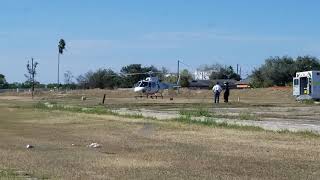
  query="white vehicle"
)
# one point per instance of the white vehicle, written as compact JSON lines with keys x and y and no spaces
{"x":151,"y":86}
{"x":306,"y":85}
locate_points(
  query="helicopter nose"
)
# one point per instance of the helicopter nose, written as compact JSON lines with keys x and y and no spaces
{"x":138,"y":89}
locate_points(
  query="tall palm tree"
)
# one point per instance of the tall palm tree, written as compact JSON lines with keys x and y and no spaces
{"x":61,"y":47}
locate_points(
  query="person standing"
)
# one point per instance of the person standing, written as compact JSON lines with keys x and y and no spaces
{"x":216,"y":91}
{"x":226,"y":92}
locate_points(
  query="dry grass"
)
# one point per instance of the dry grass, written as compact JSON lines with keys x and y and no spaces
{"x":139,"y":148}
{"x":145,"y":149}
{"x":263,"y":95}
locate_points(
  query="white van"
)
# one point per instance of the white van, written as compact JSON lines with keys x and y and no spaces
{"x":306,"y":85}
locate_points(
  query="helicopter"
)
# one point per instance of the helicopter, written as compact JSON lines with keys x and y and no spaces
{"x":152,"y":86}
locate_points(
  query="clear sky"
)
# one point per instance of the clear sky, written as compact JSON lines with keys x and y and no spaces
{"x":114,"y":33}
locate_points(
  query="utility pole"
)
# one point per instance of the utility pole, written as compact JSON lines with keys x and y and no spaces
{"x":240,"y":72}
{"x":178,"y":76}
{"x":237,"y":68}
{"x":178,"y":72}
{"x":32,"y":76}
{"x":58,"y":70}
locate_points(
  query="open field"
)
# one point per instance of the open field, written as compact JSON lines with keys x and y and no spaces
{"x":138,"y":147}
{"x":271,"y":108}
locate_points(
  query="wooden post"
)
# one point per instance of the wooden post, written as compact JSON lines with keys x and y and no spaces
{"x":104,"y":98}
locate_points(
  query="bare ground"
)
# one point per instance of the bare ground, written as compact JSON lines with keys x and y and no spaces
{"x":280,"y":118}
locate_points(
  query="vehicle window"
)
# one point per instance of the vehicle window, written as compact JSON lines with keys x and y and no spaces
{"x":144,"y":84}
{"x":296,"y":82}
{"x":137,"y":84}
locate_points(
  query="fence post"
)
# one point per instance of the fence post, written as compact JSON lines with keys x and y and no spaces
{"x":104,"y":98}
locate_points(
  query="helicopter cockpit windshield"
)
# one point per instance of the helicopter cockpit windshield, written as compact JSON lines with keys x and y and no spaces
{"x":143,"y":84}
{"x":137,"y":84}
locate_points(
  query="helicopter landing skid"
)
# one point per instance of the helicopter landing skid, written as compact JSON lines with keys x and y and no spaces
{"x":151,"y":96}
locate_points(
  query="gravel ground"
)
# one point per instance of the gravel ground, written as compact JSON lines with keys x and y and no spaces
{"x":288,"y":118}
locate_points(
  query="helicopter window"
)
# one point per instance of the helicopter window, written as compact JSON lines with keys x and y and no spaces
{"x":137,"y":84}
{"x":144,"y":84}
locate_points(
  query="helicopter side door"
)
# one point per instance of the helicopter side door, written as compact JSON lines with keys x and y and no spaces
{"x":153,"y":87}
{"x":148,"y":87}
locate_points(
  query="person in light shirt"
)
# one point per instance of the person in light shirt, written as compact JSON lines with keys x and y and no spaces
{"x":216,"y":91}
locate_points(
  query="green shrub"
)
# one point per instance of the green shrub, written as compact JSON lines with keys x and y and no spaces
{"x":213,"y":123}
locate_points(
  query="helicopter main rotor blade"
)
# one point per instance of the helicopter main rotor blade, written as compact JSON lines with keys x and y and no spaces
{"x":140,"y":73}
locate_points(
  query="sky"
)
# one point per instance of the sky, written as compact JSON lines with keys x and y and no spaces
{"x":115,"y":33}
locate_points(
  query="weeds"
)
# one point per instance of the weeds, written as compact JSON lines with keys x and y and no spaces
{"x":199,"y":112}
{"x":185,"y":117}
{"x":248,"y":116}
{"x":90,"y":110}
{"x":8,"y":174}
{"x":202,"y":112}
{"x":291,"y":110}
{"x":305,"y":133}
{"x":308,"y":101}
{"x":15,"y":174}
{"x":212,"y":123}
{"x":100,"y":110}
{"x":133,"y":116}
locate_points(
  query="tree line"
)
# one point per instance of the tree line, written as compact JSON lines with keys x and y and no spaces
{"x":279,"y":71}
{"x":103,"y":78}
{"x":106,"y":78}
{"x":128,"y":76}
{"x":131,"y":74}
{"x":276,"y":71}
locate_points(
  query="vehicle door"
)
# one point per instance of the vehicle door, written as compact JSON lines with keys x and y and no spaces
{"x":296,"y":86}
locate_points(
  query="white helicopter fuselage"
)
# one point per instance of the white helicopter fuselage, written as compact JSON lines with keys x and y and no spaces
{"x":151,"y":85}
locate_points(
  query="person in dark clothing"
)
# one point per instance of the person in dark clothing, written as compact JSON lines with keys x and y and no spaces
{"x":226,"y":92}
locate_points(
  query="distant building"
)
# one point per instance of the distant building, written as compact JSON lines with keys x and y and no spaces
{"x":232,"y":83}
{"x":242,"y":85}
{"x":200,"y":84}
{"x":202,"y":75}
{"x":207,"y":84}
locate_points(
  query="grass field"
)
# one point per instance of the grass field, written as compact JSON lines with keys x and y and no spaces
{"x":135,"y":147}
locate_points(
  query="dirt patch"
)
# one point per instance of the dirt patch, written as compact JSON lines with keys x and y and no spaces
{"x":275,"y":119}
{"x":14,"y":98}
